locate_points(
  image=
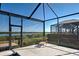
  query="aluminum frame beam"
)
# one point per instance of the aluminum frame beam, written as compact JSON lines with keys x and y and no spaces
{"x":55,"y":15}
{"x":44,"y":21}
{"x":34,"y":10}
{"x":52,"y":10}
{"x":63,"y":16}
{"x":17,"y":15}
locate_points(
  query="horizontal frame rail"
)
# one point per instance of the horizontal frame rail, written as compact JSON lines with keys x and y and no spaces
{"x":63,"y":16}
{"x":17,"y":15}
{"x":16,"y":25}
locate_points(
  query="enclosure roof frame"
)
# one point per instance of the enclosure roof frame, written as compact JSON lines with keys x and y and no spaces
{"x":34,"y":10}
{"x":62,"y":16}
{"x":21,"y":16}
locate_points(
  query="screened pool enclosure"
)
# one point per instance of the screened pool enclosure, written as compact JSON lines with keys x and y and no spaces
{"x":23,"y":24}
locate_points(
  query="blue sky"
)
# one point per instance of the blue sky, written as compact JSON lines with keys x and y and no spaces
{"x":27,"y":8}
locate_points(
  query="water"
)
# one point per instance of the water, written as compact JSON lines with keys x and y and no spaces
{"x":28,"y":33}
{"x":14,"y":34}
{"x":8,"y":34}
{"x":4,"y":34}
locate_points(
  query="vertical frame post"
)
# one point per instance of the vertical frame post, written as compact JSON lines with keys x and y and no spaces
{"x":58,"y":30}
{"x":43,"y":29}
{"x":44,"y":21}
{"x":21,"y":32}
{"x":9,"y":32}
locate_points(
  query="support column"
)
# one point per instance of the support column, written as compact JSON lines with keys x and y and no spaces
{"x":9,"y":32}
{"x":43,"y":29}
{"x":21,"y":43}
{"x":58,"y":30}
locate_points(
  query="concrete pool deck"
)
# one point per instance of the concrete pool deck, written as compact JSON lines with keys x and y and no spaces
{"x":48,"y":50}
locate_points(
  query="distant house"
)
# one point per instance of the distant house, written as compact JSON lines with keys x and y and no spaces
{"x":68,"y":26}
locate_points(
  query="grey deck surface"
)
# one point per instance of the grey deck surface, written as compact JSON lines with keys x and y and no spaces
{"x":48,"y":50}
